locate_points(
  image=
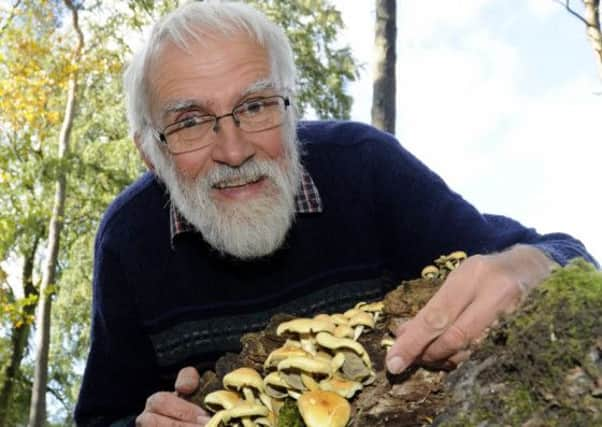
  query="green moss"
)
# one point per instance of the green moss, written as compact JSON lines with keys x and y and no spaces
{"x":544,"y":371}
{"x":289,"y":415}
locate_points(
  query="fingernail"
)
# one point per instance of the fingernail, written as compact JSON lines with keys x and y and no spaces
{"x":395,"y":365}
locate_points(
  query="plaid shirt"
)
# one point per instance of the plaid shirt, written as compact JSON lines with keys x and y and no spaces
{"x":307,"y":201}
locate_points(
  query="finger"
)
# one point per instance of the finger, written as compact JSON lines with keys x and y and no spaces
{"x":432,"y":321}
{"x":450,"y":363}
{"x":450,"y":342}
{"x":169,"y":405}
{"x":473,"y":323}
{"x":187,"y":381}
{"x":147,"y":419}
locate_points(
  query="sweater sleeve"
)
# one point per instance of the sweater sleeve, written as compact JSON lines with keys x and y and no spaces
{"x":429,"y":219}
{"x":120,"y":373}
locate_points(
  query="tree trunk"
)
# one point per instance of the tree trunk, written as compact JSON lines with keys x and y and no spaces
{"x":19,"y":337}
{"x":383,"y":95}
{"x":37,"y":410}
{"x":592,"y":22}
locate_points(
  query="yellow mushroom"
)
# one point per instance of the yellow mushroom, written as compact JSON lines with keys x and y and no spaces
{"x":320,"y":408}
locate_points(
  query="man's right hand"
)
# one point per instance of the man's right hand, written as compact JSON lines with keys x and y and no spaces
{"x":165,"y":409}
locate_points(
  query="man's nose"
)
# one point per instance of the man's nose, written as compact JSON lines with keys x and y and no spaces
{"x":231,"y":145}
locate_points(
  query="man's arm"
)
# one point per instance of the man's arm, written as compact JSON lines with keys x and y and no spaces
{"x":423,"y":218}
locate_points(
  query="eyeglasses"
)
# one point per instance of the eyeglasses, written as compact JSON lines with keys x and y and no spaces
{"x":254,"y":115}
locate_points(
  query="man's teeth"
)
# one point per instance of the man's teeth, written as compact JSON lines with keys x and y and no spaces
{"x":235,"y":183}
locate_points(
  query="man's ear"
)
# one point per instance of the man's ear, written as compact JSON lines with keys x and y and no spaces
{"x":143,"y":155}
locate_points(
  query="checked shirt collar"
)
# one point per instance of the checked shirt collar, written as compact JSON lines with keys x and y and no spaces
{"x":307,"y":201}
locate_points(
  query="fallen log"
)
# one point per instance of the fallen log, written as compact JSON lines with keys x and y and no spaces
{"x":541,"y":366}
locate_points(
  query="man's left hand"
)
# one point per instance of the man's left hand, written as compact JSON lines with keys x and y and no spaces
{"x":470,"y":300}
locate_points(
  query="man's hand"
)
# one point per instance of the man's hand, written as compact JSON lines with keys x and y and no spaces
{"x":469,"y":301}
{"x":164,"y":409}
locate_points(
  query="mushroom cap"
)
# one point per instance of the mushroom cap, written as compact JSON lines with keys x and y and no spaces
{"x":334,"y":343}
{"x":363,"y":318}
{"x":457,"y":255}
{"x":322,"y":316}
{"x":243,"y":377}
{"x":245,"y":409}
{"x":339,"y":319}
{"x":221,"y":399}
{"x":341,"y":386}
{"x":306,"y":364}
{"x":429,"y":271}
{"x":371,"y":307}
{"x":320,"y":408}
{"x":343,"y":331}
{"x":282,"y":353}
{"x":305,"y":326}
{"x":351,"y":312}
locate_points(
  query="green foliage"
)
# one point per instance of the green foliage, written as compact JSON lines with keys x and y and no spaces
{"x":324,"y":69}
{"x":289,"y":415}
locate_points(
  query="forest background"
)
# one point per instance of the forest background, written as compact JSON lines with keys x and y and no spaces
{"x":503,"y":100}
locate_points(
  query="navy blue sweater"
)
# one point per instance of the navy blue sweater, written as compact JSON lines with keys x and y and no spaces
{"x":160,"y":305}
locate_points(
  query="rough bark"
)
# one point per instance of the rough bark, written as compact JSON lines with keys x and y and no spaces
{"x":542,"y":366}
{"x":594,"y":34}
{"x":37,"y":410}
{"x":383,"y":94}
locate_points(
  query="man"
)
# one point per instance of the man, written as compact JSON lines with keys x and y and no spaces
{"x":248,"y":213}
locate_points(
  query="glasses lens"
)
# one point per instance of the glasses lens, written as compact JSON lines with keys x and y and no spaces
{"x":261,"y":114}
{"x":188,"y":134}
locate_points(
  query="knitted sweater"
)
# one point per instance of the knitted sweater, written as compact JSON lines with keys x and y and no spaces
{"x":161,"y":304}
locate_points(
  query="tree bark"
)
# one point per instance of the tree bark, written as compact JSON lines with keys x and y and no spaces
{"x":19,"y":337}
{"x":37,"y":410}
{"x":383,"y":95}
{"x":592,"y":22}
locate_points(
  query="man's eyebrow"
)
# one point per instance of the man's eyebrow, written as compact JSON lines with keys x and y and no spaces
{"x":180,"y":105}
{"x":258,"y":86}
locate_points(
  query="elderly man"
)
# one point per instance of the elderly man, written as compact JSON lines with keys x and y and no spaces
{"x":248,"y":213}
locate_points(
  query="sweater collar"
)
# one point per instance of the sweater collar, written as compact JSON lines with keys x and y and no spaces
{"x":307,"y":201}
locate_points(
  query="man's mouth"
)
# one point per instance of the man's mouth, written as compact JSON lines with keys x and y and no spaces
{"x":235,"y":183}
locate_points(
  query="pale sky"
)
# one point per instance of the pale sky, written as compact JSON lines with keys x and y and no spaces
{"x":499,"y":98}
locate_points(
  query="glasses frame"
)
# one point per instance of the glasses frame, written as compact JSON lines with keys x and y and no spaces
{"x":215,"y":118}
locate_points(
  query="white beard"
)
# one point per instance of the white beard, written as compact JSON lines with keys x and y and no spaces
{"x":247,"y":229}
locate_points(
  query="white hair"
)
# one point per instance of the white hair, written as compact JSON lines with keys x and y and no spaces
{"x":194,"y":22}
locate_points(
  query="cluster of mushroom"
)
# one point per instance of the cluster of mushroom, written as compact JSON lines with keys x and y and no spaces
{"x":321,"y":365}
{"x":444,"y":265}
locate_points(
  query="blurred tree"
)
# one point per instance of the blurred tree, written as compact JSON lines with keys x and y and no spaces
{"x":37,"y":409}
{"x":384,"y":86}
{"x":36,"y":62}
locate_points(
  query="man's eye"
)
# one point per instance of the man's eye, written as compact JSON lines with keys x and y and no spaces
{"x":190,"y":122}
{"x":254,"y":107}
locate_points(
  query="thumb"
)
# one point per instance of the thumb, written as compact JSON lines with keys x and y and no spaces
{"x":187,"y":381}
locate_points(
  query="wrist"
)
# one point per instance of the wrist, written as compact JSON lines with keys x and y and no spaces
{"x":527,"y":264}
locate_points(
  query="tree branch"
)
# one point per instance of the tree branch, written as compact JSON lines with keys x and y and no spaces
{"x":10,"y":16}
{"x":567,"y":6}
